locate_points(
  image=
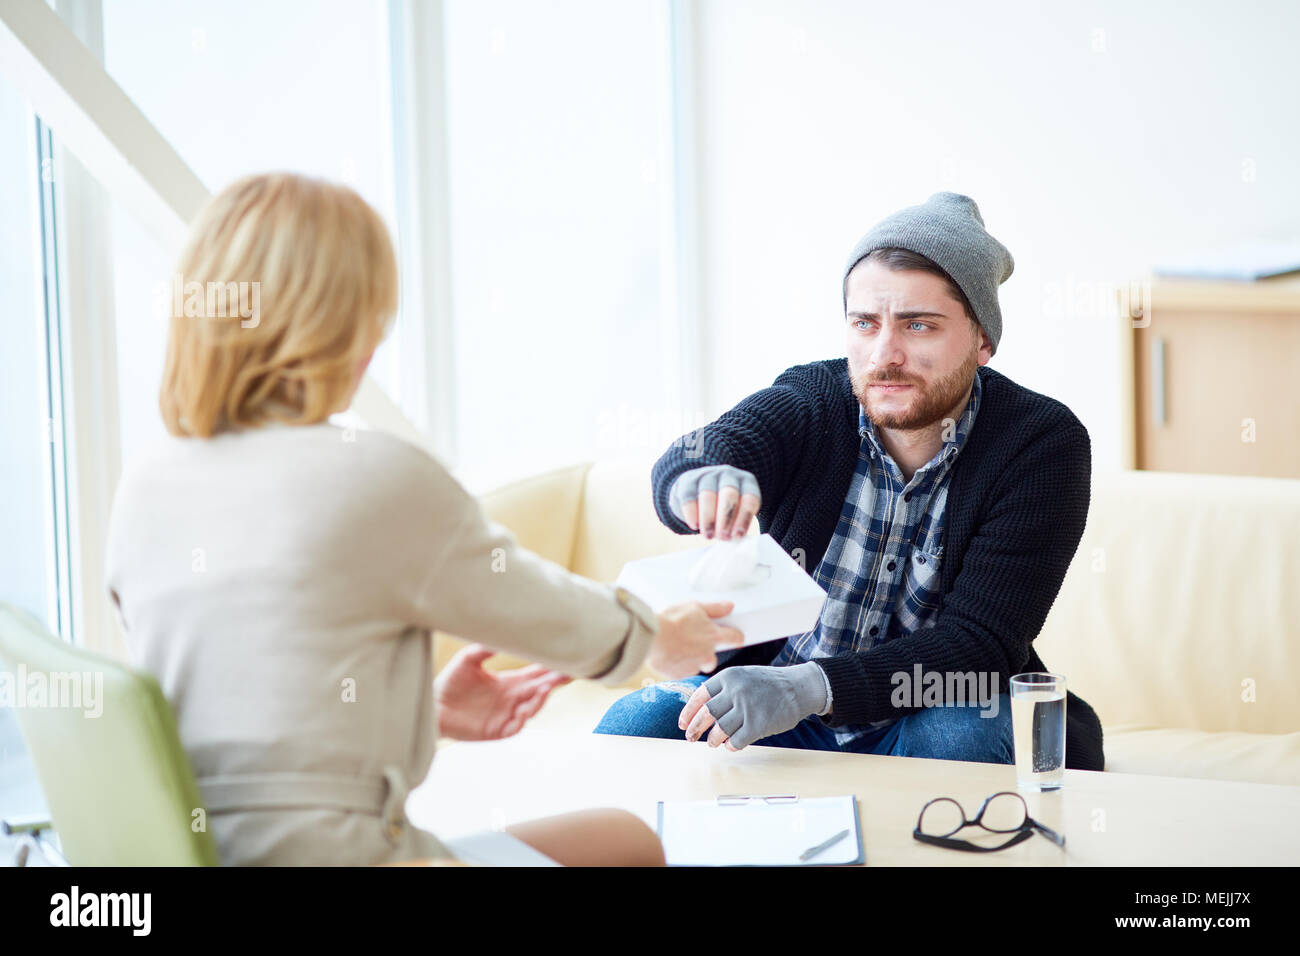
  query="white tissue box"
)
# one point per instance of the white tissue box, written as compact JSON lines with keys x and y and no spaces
{"x":786,"y":602}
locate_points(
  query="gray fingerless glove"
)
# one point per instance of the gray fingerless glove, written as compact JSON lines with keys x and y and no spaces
{"x":750,"y":703}
{"x":713,"y":478}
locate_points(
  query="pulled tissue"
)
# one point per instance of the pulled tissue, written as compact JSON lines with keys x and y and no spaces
{"x":726,"y":565}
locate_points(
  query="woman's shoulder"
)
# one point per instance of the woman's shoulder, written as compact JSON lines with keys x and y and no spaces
{"x":393,"y":462}
{"x":319,"y":462}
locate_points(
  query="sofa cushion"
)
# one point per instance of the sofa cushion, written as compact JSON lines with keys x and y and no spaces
{"x":618,"y":523}
{"x":1226,"y":755}
{"x":1180,"y":608}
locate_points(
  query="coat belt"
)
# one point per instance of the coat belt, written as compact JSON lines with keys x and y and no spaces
{"x":383,"y":796}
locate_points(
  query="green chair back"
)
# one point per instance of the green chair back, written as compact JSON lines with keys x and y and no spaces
{"x":118,"y":784}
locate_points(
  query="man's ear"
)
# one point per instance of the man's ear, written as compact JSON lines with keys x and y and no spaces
{"x":986,"y":347}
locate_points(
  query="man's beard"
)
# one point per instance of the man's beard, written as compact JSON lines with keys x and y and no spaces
{"x":928,"y":404}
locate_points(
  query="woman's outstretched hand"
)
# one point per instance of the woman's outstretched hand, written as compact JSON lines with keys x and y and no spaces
{"x":689,"y":638}
{"x":477,"y":704}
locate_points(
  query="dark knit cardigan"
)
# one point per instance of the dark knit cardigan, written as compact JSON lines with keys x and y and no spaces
{"x":1016,"y":509}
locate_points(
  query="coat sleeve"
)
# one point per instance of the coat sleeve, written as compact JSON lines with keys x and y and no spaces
{"x":485,"y":587}
{"x":1010,"y":574}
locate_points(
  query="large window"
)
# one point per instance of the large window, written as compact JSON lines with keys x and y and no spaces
{"x":238,"y":87}
{"x":34,"y":560}
{"x":558,"y":154}
{"x":560,"y":232}
{"x":30,"y":571}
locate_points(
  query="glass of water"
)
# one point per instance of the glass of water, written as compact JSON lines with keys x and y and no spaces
{"x":1038,"y":726}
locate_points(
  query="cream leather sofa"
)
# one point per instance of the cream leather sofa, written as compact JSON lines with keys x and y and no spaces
{"x":1179,"y":620}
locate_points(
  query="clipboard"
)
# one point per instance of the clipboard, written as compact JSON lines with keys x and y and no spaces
{"x":761,"y":830}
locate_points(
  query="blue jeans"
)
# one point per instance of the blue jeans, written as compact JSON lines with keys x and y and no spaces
{"x":941,"y":733}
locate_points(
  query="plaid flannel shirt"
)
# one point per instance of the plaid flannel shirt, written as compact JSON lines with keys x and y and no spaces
{"x":881,"y":568}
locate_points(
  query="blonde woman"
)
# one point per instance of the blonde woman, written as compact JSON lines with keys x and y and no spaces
{"x":281,"y":576}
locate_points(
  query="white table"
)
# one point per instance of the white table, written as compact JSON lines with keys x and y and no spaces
{"x":1107,"y":818}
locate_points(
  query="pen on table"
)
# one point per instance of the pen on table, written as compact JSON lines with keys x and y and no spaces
{"x":812,"y":851}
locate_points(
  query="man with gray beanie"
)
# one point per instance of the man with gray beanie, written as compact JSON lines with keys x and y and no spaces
{"x":937,"y":502}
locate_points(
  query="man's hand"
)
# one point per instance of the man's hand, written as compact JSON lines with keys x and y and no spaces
{"x":718,"y":500}
{"x":478,"y":704}
{"x":750,"y":703}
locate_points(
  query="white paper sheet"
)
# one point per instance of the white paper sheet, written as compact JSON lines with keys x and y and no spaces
{"x":757,"y":833}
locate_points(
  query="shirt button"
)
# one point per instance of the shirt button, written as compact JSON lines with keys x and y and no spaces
{"x":920,"y":559}
{"x":907,"y":497}
{"x":874,"y":631}
{"x":891,"y":565}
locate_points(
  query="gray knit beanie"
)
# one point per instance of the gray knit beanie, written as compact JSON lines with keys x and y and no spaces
{"x":948,"y":230}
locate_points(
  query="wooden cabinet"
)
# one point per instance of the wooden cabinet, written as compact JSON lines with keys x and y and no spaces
{"x":1213,"y":374}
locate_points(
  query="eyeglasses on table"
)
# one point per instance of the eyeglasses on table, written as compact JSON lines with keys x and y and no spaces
{"x":1003,"y":812}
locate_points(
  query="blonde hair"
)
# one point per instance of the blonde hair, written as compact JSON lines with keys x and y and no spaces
{"x":323,"y":278}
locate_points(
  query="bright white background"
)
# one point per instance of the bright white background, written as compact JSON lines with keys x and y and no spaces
{"x":307,"y":94}
{"x":1097,"y":141}
{"x":1097,"y":138}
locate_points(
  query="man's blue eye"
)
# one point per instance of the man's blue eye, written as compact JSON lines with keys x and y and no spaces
{"x":921,"y":324}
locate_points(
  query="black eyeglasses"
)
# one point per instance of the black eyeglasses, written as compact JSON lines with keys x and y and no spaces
{"x":1003,"y":812}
